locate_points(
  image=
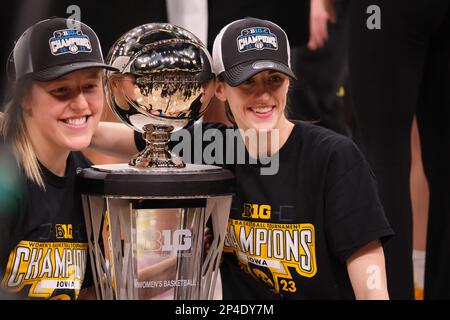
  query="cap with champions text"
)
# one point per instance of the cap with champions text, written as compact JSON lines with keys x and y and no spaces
{"x":248,"y":46}
{"x":50,"y":49}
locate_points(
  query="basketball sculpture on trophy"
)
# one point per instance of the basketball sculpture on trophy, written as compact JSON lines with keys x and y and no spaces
{"x":146,"y":220}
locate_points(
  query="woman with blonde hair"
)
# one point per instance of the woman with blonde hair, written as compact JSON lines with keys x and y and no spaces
{"x":55,"y":107}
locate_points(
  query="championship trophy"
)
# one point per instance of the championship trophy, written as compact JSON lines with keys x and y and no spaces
{"x":147,"y":221}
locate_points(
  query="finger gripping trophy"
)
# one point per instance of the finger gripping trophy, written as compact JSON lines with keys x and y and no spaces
{"x":147,"y":220}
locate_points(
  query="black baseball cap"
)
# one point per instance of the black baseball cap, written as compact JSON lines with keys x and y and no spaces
{"x":54,"y":47}
{"x":248,"y":46}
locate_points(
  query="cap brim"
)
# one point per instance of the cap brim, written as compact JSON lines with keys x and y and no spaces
{"x":59,"y":71}
{"x":240,"y":73}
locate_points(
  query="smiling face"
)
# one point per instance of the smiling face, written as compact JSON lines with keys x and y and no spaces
{"x":259,"y":102}
{"x":61,"y":115}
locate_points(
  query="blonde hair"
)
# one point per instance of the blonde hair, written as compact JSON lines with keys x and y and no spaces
{"x":16,"y":134}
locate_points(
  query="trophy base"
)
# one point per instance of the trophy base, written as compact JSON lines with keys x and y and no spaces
{"x":146,"y":229}
{"x":126,"y":168}
{"x":193,"y":181}
{"x":146,"y":159}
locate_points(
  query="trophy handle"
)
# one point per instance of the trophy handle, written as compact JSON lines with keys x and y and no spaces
{"x":156,"y":153}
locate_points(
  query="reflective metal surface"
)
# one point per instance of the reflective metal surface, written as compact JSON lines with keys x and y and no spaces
{"x":164,"y":81}
{"x":140,"y":252}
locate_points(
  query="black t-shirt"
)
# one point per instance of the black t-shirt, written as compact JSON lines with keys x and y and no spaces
{"x":43,"y":245}
{"x":289,"y":234}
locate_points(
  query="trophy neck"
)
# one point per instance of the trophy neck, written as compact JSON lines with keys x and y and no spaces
{"x":156,"y":153}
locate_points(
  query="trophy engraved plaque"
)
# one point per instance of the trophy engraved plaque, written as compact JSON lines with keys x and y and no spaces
{"x":147,"y":220}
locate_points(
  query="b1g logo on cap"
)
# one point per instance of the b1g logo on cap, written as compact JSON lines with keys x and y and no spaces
{"x":69,"y":41}
{"x":257,"y":38}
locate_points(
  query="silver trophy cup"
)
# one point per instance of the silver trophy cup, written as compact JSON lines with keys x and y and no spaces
{"x":165,"y":82}
{"x":156,"y":226}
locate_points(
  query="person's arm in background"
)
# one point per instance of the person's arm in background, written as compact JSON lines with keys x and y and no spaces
{"x":191,"y":15}
{"x":321,"y":11}
{"x":366,"y":269}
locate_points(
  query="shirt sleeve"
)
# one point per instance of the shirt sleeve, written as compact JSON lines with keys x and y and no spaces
{"x":354,"y":215}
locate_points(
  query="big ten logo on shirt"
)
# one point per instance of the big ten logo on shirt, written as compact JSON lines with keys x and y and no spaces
{"x":257,"y":211}
{"x":64,"y":231}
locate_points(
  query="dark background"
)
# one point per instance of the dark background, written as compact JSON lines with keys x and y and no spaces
{"x":109,"y":19}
